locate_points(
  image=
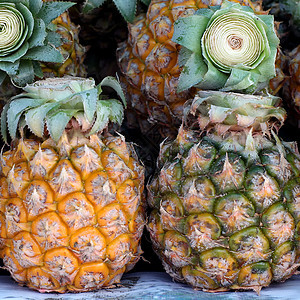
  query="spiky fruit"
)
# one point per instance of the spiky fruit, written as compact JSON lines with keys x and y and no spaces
{"x":152,"y":58}
{"x":27,"y":38}
{"x":225,"y":204}
{"x":71,"y":204}
{"x":71,"y":49}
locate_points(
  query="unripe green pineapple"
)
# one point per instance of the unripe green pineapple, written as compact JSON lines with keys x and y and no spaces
{"x":225,"y":200}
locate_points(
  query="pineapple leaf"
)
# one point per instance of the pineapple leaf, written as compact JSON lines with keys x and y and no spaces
{"x":189,"y":30}
{"x":38,"y":35}
{"x":193,"y":72}
{"x":4,"y":123}
{"x":90,"y":103}
{"x":35,"y":6}
{"x":10,"y":68}
{"x":208,"y":33}
{"x":37,"y":69}
{"x":117,"y":111}
{"x":35,"y":117}
{"x":25,"y":73}
{"x":44,"y":53}
{"x":127,"y":9}
{"x":103,"y":113}
{"x":91,"y":4}
{"x":51,"y":10}
{"x":114,"y":84}
{"x":16,"y":109}
{"x":57,"y":122}
{"x":54,"y":38}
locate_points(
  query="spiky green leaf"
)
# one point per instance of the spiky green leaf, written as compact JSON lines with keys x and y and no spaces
{"x":35,"y":6}
{"x":103,"y":113}
{"x":57,"y":122}
{"x":117,"y":111}
{"x":15,"y":111}
{"x":189,"y":30}
{"x":228,"y":42}
{"x":193,"y":72}
{"x":91,"y":4}
{"x":51,"y":10}
{"x":114,"y":84}
{"x":35,"y":117}
{"x":38,"y":35}
{"x":10,"y":68}
{"x":44,"y":53}
{"x":54,"y":38}
{"x":127,"y":9}
{"x":38,"y":72}
{"x":25,"y":73}
{"x":4,"y":123}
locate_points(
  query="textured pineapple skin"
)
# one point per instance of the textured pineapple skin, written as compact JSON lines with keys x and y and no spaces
{"x":71,"y":213}
{"x":71,"y":49}
{"x":149,"y":62}
{"x":291,"y":88}
{"x":219,"y":222}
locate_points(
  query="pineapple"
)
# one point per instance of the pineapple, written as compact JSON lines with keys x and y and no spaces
{"x":71,"y":208}
{"x":225,"y":199}
{"x":63,"y":35}
{"x":71,"y":49}
{"x":291,"y":89}
{"x":151,"y":61}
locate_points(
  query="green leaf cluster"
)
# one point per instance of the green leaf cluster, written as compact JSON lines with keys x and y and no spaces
{"x":127,"y":8}
{"x":26,"y":33}
{"x":227,"y":48}
{"x":51,"y":103}
{"x":233,"y":109}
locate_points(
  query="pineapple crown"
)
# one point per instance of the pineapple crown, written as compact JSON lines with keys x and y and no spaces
{"x":51,"y":104}
{"x":228,"y":48}
{"x":127,"y":8}
{"x":27,"y":38}
{"x":223,"y":112}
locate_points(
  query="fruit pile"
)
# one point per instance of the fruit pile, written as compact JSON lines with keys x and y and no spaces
{"x":194,"y":151}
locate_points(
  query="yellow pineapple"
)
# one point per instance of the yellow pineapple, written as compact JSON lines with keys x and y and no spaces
{"x":71,"y":49}
{"x":151,"y":64}
{"x":71,"y":208}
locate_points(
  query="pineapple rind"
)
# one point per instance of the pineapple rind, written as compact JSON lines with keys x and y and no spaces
{"x":60,"y":231}
{"x":252,"y":237}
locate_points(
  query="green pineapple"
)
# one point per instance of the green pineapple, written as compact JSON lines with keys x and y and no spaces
{"x":225,"y":200}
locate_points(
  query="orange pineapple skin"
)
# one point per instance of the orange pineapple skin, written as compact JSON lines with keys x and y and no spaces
{"x":149,"y":61}
{"x":72,"y":213}
{"x":71,"y":49}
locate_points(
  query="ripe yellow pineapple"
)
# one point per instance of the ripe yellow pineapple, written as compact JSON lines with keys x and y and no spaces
{"x":151,"y":64}
{"x":225,"y":199}
{"x":71,"y":206}
{"x":71,"y":49}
